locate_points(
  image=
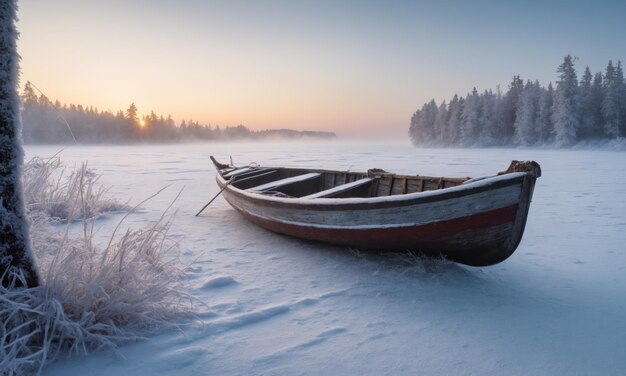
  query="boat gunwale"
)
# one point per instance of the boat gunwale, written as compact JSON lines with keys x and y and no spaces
{"x":489,"y":183}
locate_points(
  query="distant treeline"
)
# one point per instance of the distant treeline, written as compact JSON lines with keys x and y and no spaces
{"x":530,"y":114}
{"x":47,"y":122}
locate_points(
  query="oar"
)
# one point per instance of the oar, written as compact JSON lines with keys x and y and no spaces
{"x":220,"y":166}
{"x":232,"y":179}
{"x":214,"y":197}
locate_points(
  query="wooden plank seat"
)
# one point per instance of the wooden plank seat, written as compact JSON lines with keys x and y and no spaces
{"x":340,"y":188}
{"x":284,"y":182}
{"x":251,"y":173}
{"x":242,"y":179}
{"x":237,"y":171}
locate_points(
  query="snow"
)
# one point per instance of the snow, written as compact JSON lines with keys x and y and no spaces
{"x":281,"y":306}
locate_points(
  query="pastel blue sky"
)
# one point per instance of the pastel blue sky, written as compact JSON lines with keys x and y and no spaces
{"x":354,"y":67}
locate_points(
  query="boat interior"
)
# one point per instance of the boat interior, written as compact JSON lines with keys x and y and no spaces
{"x":305,"y":183}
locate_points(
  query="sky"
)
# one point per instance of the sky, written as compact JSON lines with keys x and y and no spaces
{"x":357,"y":68}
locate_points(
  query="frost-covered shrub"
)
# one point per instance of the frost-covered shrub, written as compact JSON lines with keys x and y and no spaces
{"x":51,"y":190}
{"x":90,"y":297}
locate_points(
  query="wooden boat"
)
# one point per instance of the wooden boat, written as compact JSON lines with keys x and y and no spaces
{"x":471,"y":221}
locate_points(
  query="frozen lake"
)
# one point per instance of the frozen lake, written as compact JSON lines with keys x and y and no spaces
{"x":282,"y":306}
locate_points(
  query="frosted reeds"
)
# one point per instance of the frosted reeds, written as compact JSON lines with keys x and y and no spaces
{"x":90,"y":297}
{"x":53,"y":191}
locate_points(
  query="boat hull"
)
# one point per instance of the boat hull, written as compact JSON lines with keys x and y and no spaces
{"x":477,"y":224}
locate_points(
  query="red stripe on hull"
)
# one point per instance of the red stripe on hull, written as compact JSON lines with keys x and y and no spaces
{"x":459,"y":238}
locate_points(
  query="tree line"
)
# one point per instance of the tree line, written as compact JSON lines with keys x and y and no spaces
{"x":572,"y":111}
{"x":47,"y":122}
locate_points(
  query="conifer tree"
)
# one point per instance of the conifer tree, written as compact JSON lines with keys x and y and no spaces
{"x":470,"y":124}
{"x":414,"y":129}
{"x":507,"y":113}
{"x":487,"y":120}
{"x":597,"y":96}
{"x":429,"y":115}
{"x":526,"y":115}
{"x":452,"y":136}
{"x":565,"y":115}
{"x":131,"y":113}
{"x":621,"y":96}
{"x":15,"y":252}
{"x":610,"y":104}
{"x":545,"y":127}
{"x":586,"y":112}
{"x":441,"y":124}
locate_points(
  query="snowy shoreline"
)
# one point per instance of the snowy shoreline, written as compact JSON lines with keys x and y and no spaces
{"x":277,"y":305}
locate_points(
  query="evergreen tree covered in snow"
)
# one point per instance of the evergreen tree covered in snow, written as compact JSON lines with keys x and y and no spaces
{"x":470,"y":119}
{"x":590,"y":98}
{"x":15,"y":252}
{"x":610,"y":104}
{"x":429,"y":117}
{"x":416,"y":131}
{"x":597,"y":96}
{"x":508,"y":114}
{"x":545,"y":127}
{"x":423,"y":124}
{"x":565,"y":114}
{"x":585,"y":105}
{"x":621,"y":96}
{"x":455,"y":112}
{"x":488,"y":119}
{"x":441,"y":123}
{"x":529,"y":114}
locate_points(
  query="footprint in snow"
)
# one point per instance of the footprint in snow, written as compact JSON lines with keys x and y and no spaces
{"x":191,"y":273}
{"x":194,"y":269}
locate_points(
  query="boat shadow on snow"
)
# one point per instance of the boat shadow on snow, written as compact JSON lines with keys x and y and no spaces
{"x":408,"y":265}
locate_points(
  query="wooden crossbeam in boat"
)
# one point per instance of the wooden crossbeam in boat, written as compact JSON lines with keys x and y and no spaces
{"x":242,"y":178}
{"x":283,"y":182}
{"x":237,"y":171}
{"x":340,"y":188}
{"x":253,"y":173}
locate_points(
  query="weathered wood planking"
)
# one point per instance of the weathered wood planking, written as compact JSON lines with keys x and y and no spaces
{"x":478,"y":223}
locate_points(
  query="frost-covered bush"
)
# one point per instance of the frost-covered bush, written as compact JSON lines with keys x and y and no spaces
{"x":90,"y":297}
{"x":53,"y":191}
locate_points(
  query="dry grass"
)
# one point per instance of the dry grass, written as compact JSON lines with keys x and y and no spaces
{"x":91,"y":297}
{"x":51,"y":190}
{"x":408,"y":262}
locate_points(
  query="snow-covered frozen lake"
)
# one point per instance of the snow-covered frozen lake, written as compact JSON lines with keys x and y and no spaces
{"x":282,"y":306}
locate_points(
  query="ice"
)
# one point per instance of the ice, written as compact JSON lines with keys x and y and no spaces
{"x":281,"y":306}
